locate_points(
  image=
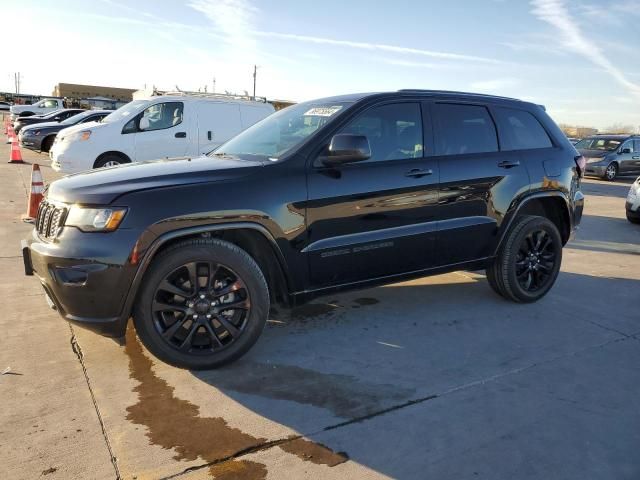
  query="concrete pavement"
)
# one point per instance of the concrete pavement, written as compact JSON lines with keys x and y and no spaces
{"x":434,"y":378}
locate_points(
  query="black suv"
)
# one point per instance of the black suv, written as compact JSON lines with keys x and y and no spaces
{"x":333,"y":194}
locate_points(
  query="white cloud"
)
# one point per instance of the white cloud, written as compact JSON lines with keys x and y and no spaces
{"x":555,"y":13}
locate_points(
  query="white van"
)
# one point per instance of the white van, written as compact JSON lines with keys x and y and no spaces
{"x":154,"y":128}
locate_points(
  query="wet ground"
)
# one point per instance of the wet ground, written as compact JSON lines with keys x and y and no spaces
{"x":434,"y":378}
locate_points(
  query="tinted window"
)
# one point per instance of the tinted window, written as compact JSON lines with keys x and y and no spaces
{"x":394,"y":131}
{"x":50,"y":104}
{"x":163,"y":115}
{"x":520,"y":130}
{"x":628,"y":144}
{"x":464,"y":129}
{"x":608,"y":144}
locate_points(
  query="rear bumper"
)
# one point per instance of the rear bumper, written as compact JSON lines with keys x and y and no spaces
{"x":86,"y":276}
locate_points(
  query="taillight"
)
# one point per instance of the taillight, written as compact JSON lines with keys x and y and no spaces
{"x":581,"y":163}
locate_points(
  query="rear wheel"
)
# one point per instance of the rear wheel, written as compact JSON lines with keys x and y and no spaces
{"x":203,"y":304}
{"x":611,"y":172}
{"x":528,"y":264}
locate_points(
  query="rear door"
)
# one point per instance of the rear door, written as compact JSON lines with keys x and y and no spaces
{"x":636,"y":155}
{"x":217,"y":123}
{"x":477,"y":181}
{"x":377,"y":217}
{"x":168,"y":132}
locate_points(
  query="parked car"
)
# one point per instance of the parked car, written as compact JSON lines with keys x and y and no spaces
{"x":56,"y":116}
{"x":158,"y":127}
{"x":42,"y":107}
{"x":5,"y":106}
{"x":632,"y":205}
{"x":611,"y":155}
{"x":328,"y":195}
{"x":41,"y":135}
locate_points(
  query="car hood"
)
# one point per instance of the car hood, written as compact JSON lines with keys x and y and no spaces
{"x":41,"y":125}
{"x":104,"y":185}
{"x":593,"y":153}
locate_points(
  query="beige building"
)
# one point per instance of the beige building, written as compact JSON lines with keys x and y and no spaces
{"x":72,"y":90}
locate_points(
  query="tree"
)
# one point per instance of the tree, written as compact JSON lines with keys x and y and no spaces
{"x":620,"y":128}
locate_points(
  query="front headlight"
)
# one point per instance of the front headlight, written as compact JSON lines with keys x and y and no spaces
{"x":595,"y":159}
{"x":35,"y":132}
{"x":95,"y":219}
{"x":83,"y":135}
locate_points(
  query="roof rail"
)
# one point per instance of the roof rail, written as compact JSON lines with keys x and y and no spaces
{"x":453,"y":92}
{"x":229,"y":96}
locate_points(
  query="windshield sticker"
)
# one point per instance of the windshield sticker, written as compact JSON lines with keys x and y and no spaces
{"x":322,"y":111}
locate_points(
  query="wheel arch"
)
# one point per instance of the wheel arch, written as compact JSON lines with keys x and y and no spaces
{"x":117,"y":153}
{"x":553,"y":205}
{"x":51,"y":137}
{"x":251,"y":237}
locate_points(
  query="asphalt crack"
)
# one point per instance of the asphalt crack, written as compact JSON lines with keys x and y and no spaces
{"x":75,"y":346}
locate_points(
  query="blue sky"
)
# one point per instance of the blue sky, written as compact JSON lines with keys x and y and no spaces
{"x":579,"y":58}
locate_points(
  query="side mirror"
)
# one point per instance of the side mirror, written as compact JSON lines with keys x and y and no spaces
{"x":347,"y":148}
{"x":144,"y":123}
{"x":624,"y":150}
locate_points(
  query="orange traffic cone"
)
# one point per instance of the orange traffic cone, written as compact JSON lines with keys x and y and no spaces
{"x":37,"y":189}
{"x":10,"y":134}
{"x":16,"y":155}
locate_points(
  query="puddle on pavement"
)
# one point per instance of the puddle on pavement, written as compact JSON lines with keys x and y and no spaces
{"x":173,"y":423}
{"x":366,"y":301}
{"x":344,"y":395}
{"x":314,"y":452}
{"x":311,"y":311}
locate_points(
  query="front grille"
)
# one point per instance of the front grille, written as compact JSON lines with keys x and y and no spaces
{"x":50,"y":219}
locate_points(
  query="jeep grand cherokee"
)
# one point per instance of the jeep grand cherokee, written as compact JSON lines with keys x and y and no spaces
{"x":327,"y":195}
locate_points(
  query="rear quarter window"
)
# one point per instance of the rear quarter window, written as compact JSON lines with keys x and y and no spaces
{"x":520,"y":130}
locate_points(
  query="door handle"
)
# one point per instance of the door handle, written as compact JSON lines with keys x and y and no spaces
{"x":181,"y":135}
{"x":637,"y":157}
{"x":417,"y":173}
{"x":509,"y":163}
{"x":209,"y":135}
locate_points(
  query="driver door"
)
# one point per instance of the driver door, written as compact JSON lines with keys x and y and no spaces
{"x":377,"y":217}
{"x":167,"y":134}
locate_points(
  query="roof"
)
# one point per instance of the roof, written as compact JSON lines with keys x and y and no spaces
{"x":354,"y":97}
{"x":613,"y":136}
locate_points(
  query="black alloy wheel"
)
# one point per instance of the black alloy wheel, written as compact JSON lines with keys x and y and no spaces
{"x":201,"y":307}
{"x":535,"y":261}
{"x":203,"y":303}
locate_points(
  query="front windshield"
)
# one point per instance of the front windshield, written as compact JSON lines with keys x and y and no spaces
{"x":281,"y":131}
{"x":72,"y":120}
{"x":604,"y":144}
{"x":126,"y":111}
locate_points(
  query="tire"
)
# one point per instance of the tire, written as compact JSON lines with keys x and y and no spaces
{"x":46,"y":144}
{"x":493,"y":278}
{"x":529,"y":261}
{"x":208,"y":347}
{"x":633,"y":219}
{"x":611,"y":172}
{"x":110,"y":160}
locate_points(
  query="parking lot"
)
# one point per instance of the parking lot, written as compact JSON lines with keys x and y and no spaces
{"x":434,"y":378}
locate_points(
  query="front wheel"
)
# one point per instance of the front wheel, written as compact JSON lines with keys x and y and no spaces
{"x":203,"y":303}
{"x":529,"y":261}
{"x":611,"y":172}
{"x":110,"y":161}
{"x":633,"y":219}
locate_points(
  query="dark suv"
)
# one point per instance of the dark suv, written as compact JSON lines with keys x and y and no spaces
{"x":333,"y":194}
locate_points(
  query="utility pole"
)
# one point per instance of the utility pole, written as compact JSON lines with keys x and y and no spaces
{"x":255,"y":71}
{"x":16,"y":79}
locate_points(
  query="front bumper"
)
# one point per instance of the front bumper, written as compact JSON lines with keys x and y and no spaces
{"x":595,"y":169}
{"x":30,"y":142}
{"x":86,"y":276}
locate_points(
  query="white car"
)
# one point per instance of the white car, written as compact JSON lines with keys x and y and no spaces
{"x":632,"y":205}
{"x":158,"y":127}
{"x":44,"y":106}
{"x":5,"y":106}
